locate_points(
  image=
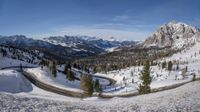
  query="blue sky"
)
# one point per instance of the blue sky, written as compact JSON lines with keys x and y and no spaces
{"x":123,"y":19}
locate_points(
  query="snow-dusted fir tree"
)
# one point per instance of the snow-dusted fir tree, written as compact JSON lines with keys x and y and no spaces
{"x":146,"y":79}
{"x":177,"y":66}
{"x":86,"y":84}
{"x":54,"y":69}
{"x":164,"y":64}
{"x":169,"y":66}
{"x":97,"y":85}
{"x":68,"y":72}
{"x":70,"y":75}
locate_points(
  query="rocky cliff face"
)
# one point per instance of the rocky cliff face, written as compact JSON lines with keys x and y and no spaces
{"x":173,"y":34}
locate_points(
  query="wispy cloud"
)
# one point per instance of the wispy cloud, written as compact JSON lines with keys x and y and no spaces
{"x":121,"y":18}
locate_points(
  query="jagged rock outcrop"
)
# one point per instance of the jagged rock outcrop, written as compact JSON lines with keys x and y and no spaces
{"x":174,"y":35}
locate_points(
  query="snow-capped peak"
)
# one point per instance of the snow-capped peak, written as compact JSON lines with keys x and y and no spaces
{"x":88,"y":38}
{"x":112,"y":39}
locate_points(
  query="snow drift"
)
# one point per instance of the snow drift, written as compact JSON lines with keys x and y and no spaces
{"x":13,"y":82}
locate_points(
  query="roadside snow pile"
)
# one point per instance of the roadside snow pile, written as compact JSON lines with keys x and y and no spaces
{"x":12,"y":81}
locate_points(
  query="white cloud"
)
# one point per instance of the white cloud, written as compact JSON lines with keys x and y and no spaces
{"x":120,"y":18}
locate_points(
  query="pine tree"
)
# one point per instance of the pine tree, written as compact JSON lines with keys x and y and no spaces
{"x":70,"y":75}
{"x":97,"y":86}
{"x":89,"y":85}
{"x":42,"y":63}
{"x":132,"y":73}
{"x":144,"y":87}
{"x":177,"y":67}
{"x":21,"y":69}
{"x":86,"y":84}
{"x":186,"y":68}
{"x":170,"y":66}
{"x":54,"y":69}
{"x":164,"y":65}
{"x":68,"y":72}
{"x":194,"y":77}
{"x":94,"y":69}
{"x":66,"y":68}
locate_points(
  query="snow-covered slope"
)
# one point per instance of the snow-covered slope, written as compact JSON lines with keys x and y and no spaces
{"x":173,"y":34}
{"x":7,"y":53}
{"x":128,"y":78}
{"x":189,"y":57}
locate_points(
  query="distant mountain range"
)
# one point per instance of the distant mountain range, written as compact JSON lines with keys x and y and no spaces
{"x":167,"y":40}
{"x":173,"y":35}
{"x":65,"y":47}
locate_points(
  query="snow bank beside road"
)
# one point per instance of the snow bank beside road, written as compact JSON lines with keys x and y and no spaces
{"x":14,"y":82}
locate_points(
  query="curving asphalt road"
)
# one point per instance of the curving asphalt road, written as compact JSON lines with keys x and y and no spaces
{"x":31,"y":77}
{"x":111,"y":81}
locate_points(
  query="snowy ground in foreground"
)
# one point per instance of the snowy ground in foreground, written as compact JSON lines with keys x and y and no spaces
{"x":184,"y":99}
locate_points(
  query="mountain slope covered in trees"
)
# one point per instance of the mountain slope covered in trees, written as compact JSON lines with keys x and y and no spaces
{"x":64,"y":47}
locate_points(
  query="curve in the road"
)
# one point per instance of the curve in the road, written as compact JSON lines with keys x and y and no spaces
{"x":48,"y":87}
{"x":61,"y":91}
